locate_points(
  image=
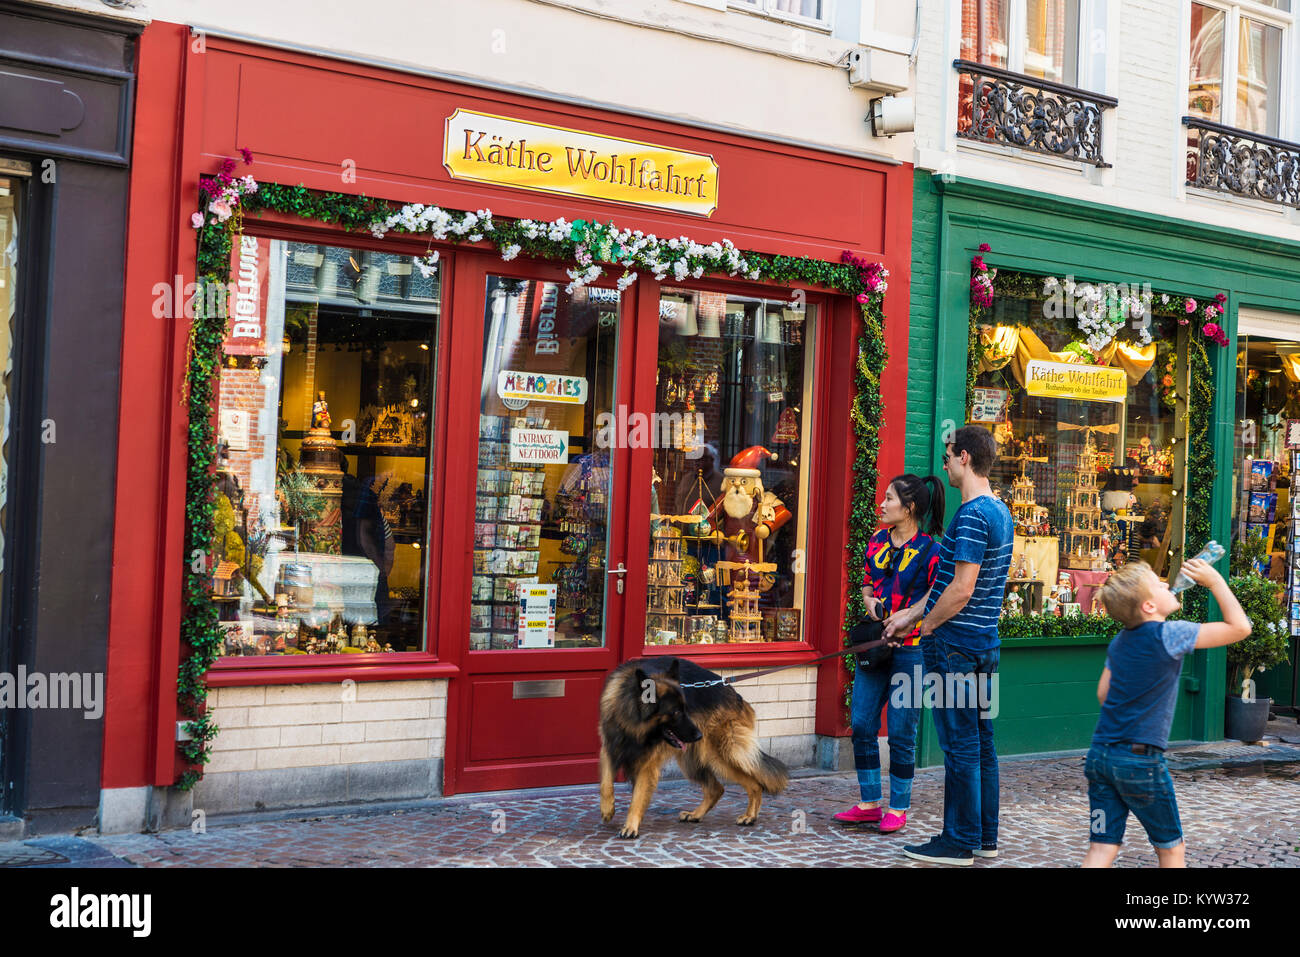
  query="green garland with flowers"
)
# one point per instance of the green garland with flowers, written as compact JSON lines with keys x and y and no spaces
{"x":1103,"y":319}
{"x":591,"y":248}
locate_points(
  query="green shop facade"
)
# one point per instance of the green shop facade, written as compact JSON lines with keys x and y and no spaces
{"x":1001,"y":285}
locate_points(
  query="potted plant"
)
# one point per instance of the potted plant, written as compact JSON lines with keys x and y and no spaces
{"x":1266,"y":646}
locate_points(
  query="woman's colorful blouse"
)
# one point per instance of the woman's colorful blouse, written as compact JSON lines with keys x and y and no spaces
{"x":901,"y":576}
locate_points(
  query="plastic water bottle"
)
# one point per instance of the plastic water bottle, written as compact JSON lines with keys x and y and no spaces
{"x":1211,"y":553}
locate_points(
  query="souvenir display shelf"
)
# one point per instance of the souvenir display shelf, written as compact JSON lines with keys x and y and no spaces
{"x":508,"y":505}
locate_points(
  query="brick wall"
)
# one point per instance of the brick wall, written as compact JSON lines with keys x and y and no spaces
{"x":784,"y":704}
{"x":922,"y":327}
{"x":288,"y":726}
{"x":243,"y":389}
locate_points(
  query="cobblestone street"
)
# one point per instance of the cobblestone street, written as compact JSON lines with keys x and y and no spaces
{"x":1240,"y":806}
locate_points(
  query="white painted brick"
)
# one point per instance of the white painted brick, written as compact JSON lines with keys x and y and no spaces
{"x":783,"y":726}
{"x":249,"y":739}
{"x":796,"y":692}
{"x":398,"y":710}
{"x":767,"y":710}
{"x":238,"y":697}
{"x":388,"y":690}
{"x":440,"y":689}
{"x":802,"y":709}
{"x":303,"y":734}
{"x":420,"y":728}
{"x":438,"y":747}
{"x":230,"y":717}
{"x":325,"y":692}
{"x":279,"y":715}
{"x":223,"y":760}
{"x":348,"y":732}
{"x":755,"y":693}
{"x":369,"y":751}
{"x":298,"y":757}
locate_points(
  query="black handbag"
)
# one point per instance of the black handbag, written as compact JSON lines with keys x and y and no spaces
{"x":873,"y":659}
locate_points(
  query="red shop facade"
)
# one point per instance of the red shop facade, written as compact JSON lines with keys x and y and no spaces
{"x":422,"y":572}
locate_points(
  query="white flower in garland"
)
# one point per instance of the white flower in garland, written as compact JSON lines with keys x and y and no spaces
{"x":510,"y":252}
{"x":428,"y":264}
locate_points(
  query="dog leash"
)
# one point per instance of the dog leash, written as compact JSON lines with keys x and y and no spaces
{"x":852,"y":650}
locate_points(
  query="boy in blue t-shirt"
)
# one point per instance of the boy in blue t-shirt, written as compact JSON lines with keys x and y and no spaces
{"x":1126,"y":765}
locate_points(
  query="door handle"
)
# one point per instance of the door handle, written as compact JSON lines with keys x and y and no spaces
{"x":620,"y":572}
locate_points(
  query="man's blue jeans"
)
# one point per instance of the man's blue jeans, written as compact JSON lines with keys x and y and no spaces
{"x":963,"y":685}
{"x":872,"y":689}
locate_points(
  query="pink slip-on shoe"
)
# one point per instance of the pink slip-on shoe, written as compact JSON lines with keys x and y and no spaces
{"x":893,"y":822}
{"x":855,"y":815}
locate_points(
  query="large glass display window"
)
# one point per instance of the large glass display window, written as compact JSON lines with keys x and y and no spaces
{"x":1091,"y":449}
{"x":730,"y":485}
{"x":1267,"y":457}
{"x":325,"y":423}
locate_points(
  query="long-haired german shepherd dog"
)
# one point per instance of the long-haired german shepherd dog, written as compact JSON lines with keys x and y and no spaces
{"x":646,"y":717}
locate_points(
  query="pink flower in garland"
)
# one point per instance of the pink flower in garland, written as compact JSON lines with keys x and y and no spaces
{"x":248,"y":157}
{"x":1211,"y":329}
{"x":1220,"y":298}
{"x":196,"y":220}
{"x":985,"y":248}
{"x":978,"y":263}
{"x":221,"y":209}
{"x":863,"y":298}
{"x":1189,"y":305}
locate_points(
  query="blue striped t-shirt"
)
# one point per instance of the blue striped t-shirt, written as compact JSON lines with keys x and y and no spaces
{"x":982,"y":533}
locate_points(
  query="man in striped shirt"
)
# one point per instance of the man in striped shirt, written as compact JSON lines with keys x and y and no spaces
{"x":959,"y":643}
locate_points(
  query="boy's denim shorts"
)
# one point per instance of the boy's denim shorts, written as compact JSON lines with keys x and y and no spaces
{"x":1120,"y":781}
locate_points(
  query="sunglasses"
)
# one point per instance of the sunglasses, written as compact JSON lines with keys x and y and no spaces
{"x":949,"y":455}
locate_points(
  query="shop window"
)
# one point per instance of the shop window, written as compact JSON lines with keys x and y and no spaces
{"x":1267,"y":456}
{"x":1244,"y":41}
{"x":325,"y":423}
{"x":542,"y":503}
{"x":728,"y":505}
{"x":1092,"y":467}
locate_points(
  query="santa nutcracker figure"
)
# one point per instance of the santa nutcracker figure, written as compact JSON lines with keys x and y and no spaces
{"x":745,"y":516}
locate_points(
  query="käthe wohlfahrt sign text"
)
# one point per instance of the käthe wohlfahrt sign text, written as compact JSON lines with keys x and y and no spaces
{"x":552,"y":159}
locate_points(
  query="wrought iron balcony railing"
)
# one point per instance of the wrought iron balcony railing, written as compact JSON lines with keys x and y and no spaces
{"x":1229,"y":160}
{"x":1032,"y":114}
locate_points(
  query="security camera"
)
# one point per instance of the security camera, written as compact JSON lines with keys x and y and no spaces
{"x":892,"y":114}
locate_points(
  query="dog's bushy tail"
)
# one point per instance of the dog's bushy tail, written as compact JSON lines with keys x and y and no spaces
{"x":770,"y":773}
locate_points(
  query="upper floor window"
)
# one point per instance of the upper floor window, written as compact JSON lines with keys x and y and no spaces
{"x":816,"y":11}
{"x":1034,"y":37}
{"x":1242,"y":41}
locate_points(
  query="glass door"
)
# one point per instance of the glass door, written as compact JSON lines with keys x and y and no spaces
{"x":543,"y":489}
{"x":546,"y":543}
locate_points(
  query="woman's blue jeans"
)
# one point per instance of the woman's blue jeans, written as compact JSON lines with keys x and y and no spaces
{"x":871,"y":692}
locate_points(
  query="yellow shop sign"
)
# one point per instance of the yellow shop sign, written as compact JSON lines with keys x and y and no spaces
{"x":1067,"y":380}
{"x":551,"y":159}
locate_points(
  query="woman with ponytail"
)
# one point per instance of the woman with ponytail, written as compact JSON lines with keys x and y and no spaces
{"x":901,"y":561}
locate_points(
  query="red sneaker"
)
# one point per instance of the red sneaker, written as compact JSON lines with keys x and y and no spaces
{"x":893,"y":822}
{"x":855,"y":815}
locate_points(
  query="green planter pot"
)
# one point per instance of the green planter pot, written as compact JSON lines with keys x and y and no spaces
{"x":1246,"y":720}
